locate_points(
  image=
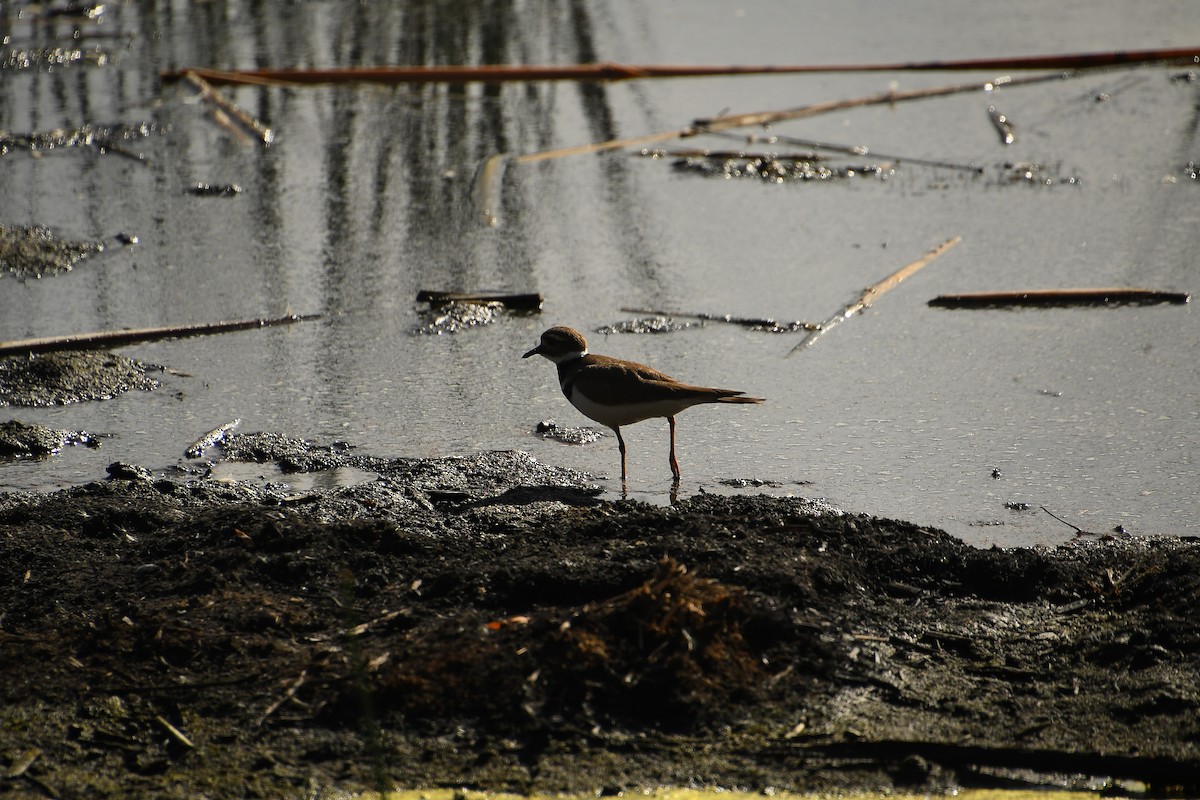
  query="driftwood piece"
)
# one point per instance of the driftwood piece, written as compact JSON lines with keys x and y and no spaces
{"x":522,"y":302}
{"x":498,"y":73}
{"x":871,"y":293}
{"x":102,"y":339}
{"x":1059,"y":297}
{"x":226,"y":108}
{"x":209,"y":439}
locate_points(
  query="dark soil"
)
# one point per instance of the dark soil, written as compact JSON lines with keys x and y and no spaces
{"x":485,"y":622}
{"x":55,"y":379}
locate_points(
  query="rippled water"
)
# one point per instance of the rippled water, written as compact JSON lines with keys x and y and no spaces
{"x":365,"y":197}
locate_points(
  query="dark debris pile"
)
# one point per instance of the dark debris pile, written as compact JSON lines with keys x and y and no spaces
{"x":459,"y":622}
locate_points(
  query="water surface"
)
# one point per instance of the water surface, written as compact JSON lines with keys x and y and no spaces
{"x":365,"y":198}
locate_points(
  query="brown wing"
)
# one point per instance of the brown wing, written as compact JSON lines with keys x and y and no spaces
{"x":612,"y":380}
{"x":609,"y":365}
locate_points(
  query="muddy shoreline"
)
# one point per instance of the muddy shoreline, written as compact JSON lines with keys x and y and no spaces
{"x":487,"y":622}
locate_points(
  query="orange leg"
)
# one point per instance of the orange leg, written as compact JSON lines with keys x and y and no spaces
{"x":621,"y":446}
{"x":674,"y":461}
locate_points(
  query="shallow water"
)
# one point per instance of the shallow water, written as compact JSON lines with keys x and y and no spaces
{"x":365,"y":198}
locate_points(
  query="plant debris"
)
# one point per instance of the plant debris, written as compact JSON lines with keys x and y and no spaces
{"x":455,"y":317}
{"x":214,"y":189}
{"x":655,"y":324}
{"x":1033,"y":174}
{"x":102,"y":138}
{"x":47,"y":58}
{"x":779,"y":169}
{"x":549,"y":429}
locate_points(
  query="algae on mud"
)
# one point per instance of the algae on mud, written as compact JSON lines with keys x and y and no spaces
{"x":466,"y":622}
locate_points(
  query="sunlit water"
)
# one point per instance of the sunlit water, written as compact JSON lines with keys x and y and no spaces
{"x":365,"y":198}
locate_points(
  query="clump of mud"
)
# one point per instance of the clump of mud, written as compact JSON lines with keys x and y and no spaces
{"x":52,"y":379}
{"x":18,"y":440}
{"x":34,"y":251}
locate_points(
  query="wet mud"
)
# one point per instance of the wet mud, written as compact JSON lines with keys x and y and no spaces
{"x":19,"y":440}
{"x":55,"y":379}
{"x":488,"y":622}
{"x":35,"y":251}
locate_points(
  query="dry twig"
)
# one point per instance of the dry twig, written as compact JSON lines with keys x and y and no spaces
{"x":499,"y":73}
{"x":176,"y":734}
{"x":871,"y":293}
{"x":225,"y":108}
{"x":289,"y":694}
{"x":729,"y":121}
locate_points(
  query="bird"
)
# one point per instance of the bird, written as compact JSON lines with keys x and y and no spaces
{"x":615,"y":392}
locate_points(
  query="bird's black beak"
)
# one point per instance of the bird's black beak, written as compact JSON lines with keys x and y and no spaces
{"x":537,"y":351}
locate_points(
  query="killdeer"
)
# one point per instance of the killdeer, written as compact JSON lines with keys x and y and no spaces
{"x":614,"y":392}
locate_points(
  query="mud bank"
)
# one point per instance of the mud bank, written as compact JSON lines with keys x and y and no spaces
{"x":486,"y":622}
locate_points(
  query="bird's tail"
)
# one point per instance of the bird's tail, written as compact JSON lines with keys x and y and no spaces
{"x":740,"y":398}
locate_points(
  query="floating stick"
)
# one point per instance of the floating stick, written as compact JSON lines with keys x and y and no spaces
{"x":101,"y":339}
{"x":862,"y":152}
{"x":1055,"y":297}
{"x":206,"y":441}
{"x":527,"y":301}
{"x":874,"y":291}
{"x":729,"y":121}
{"x":499,"y":73}
{"x":229,"y":108}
